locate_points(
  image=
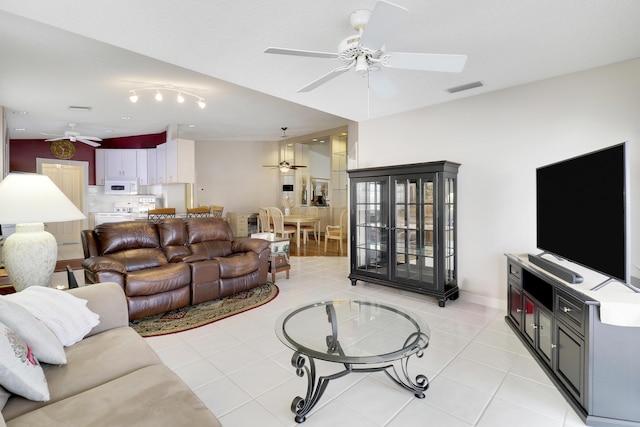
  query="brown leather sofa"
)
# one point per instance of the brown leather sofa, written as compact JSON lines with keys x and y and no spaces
{"x":174,"y":263}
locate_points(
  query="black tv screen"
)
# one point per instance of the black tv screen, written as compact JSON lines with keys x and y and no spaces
{"x":581,"y":211}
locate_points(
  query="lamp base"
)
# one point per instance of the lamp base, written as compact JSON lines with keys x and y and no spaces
{"x":30,"y":256}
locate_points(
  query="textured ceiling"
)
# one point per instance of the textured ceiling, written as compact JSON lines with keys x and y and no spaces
{"x":91,"y":53}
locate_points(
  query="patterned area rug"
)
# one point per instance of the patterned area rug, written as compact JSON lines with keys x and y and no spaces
{"x":194,"y":316}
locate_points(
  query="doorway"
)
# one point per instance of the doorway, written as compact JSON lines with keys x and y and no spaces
{"x":72,"y":177}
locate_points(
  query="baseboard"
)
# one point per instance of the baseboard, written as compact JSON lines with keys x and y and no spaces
{"x":479,"y":299}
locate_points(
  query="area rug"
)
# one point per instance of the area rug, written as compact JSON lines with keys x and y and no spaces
{"x":202,"y":314}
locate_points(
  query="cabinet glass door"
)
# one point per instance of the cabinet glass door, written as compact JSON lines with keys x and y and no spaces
{"x":413,"y":231}
{"x":370,"y":255}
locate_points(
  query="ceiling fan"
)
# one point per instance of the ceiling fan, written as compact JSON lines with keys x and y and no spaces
{"x":366,"y":51}
{"x":284,"y":165}
{"x":74,"y":136}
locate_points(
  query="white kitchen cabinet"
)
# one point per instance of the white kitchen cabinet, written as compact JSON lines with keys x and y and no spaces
{"x":120,"y":163}
{"x":152,"y":168}
{"x":142,"y":169}
{"x":99,"y":166}
{"x":180,"y":161}
{"x":161,"y":163}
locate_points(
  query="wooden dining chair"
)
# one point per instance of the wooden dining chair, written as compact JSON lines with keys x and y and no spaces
{"x":279,"y":227}
{"x":314,"y":228}
{"x":265,"y":220}
{"x":157,"y":215}
{"x":336,"y":232}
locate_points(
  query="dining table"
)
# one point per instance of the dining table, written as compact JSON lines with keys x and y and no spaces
{"x":297,"y":220}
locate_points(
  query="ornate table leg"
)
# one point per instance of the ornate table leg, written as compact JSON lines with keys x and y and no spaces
{"x":315,"y":389}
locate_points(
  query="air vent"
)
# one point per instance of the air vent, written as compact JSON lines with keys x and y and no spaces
{"x":78,"y":108}
{"x":465,"y":87}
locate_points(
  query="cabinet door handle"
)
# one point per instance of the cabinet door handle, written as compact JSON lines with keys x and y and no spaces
{"x":553,"y":346}
{"x":534,"y":326}
{"x":518,"y":310}
{"x":566,"y":309}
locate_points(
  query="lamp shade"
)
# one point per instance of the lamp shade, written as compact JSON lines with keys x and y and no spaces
{"x":30,"y":197}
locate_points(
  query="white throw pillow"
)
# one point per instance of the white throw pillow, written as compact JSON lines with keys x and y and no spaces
{"x":20,"y":371}
{"x":66,"y":315}
{"x":44,"y":344}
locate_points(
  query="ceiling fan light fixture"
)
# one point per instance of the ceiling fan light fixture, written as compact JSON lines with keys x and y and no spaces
{"x":134,"y":97}
{"x":284,"y":166}
{"x":362,"y":66}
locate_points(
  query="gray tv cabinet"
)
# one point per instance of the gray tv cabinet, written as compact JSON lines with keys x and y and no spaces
{"x":596,"y":366}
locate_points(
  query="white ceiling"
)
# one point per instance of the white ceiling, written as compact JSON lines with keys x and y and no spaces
{"x":91,"y":53}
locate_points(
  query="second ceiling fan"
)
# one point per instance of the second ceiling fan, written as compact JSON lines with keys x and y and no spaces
{"x":284,"y":165}
{"x":366,"y":52}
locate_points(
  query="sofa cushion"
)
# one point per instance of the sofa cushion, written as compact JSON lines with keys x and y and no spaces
{"x":212,"y":248}
{"x":119,"y":236}
{"x":238,"y":264}
{"x":151,"y":396}
{"x":139,"y":259}
{"x":20,"y":371}
{"x":44,"y":344}
{"x":153,"y":281}
{"x":173,"y":238}
{"x":91,"y":362}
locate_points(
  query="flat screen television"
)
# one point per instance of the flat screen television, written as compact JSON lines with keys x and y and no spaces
{"x":581,"y":211}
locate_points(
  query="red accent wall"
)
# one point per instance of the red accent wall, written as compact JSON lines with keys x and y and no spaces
{"x":23,"y":152}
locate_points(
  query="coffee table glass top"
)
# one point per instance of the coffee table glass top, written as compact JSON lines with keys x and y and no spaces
{"x":353,"y":331}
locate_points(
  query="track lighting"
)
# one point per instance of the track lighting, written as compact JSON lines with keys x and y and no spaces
{"x":133,"y":94}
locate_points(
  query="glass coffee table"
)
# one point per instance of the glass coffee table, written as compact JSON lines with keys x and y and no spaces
{"x":363,"y":336}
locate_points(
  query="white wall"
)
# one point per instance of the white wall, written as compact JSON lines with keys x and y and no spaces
{"x":230,"y":174}
{"x":500,"y":138}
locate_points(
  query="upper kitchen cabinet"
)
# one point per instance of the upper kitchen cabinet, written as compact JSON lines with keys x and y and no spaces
{"x":180,"y":161}
{"x":121,"y":163}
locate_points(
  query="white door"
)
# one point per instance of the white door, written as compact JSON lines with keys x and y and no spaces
{"x":69,"y":179}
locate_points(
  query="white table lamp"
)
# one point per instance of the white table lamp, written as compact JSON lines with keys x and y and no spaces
{"x":29,"y":200}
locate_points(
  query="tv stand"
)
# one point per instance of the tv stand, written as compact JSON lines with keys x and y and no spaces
{"x":564,"y":273}
{"x":593,"y":364}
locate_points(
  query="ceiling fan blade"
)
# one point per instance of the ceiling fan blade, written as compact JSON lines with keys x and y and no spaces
{"x":89,"y":142}
{"x":426,"y":61}
{"x":56,"y":139}
{"x":384,"y":20}
{"x":297,"y":52}
{"x":90,"y":138}
{"x":324,"y":79}
{"x":296,"y":166}
{"x":381,"y":85}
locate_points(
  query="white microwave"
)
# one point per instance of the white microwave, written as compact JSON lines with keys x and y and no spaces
{"x":121,"y":185}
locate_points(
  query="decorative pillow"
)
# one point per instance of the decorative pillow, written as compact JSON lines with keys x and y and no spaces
{"x":66,"y":315}
{"x":20,"y":371}
{"x":37,"y":335}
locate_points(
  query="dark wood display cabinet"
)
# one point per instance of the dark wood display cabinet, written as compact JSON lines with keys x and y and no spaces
{"x":596,"y":366}
{"x":403,"y":227}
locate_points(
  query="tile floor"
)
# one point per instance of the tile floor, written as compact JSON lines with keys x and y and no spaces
{"x":480,"y":373}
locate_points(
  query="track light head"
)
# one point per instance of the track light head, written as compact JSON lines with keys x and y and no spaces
{"x":180,"y":98}
{"x":201,"y":103}
{"x":134,"y":97}
{"x":158,"y":96}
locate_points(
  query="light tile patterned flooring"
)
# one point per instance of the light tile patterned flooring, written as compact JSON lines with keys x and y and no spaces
{"x":480,"y":373}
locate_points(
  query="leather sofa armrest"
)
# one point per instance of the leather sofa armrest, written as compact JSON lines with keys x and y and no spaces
{"x":189,"y":258}
{"x":249,"y":244}
{"x":108,"y":301}
{"x":103,"y":263}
